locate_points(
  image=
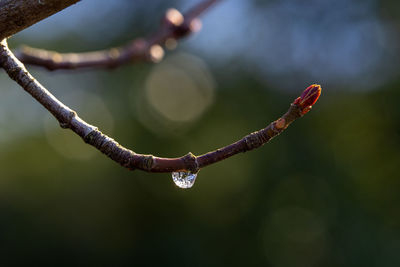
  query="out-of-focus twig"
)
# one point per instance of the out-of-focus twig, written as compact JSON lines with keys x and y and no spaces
{"x":174,"y":26}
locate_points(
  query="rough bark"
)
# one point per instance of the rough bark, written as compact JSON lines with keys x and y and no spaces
{"x":16,"y":15}
{"x":131,"y":160}
{"x":19,"y":14}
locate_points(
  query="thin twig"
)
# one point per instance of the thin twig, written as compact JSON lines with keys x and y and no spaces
{"x":131,"y":160}
{"x":173,"y":27}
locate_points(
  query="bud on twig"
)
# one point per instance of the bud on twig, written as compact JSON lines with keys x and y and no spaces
{"x":173,"y":17}
{"x":308,"y":98}
{"x":181,"y":25}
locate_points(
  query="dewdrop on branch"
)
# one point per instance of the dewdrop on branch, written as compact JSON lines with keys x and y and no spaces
{"x":184,"y":168}
{"x":184,"y":179}
{"x":302,"y":105}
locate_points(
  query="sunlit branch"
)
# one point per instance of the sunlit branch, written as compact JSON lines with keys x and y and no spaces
{"x":131,"y":160}
{"x":16,"y":15}
{"x":174,"y":26}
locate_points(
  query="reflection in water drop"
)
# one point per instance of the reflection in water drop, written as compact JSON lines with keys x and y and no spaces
{"x":184,"y":179}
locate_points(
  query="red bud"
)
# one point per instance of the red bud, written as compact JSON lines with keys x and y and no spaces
{"x":308,"y":98}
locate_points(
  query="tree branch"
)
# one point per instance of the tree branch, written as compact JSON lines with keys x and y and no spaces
{"x":131,"y":160}
{"x":174,"y":26}
{"x":16,"y":15}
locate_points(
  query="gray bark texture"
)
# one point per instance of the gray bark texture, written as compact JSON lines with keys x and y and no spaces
{"x":16,"y":15}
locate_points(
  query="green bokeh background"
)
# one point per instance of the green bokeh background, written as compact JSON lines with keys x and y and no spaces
{"x":326,"y":192}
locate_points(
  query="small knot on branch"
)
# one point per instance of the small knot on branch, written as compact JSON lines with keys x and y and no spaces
{"x":137,"y":49}
{"x":145,"y":162}
{"x":113,"y":150}
{"x":254,"y":140}
{"x":65,"y":121}
{"x":191,"y":163}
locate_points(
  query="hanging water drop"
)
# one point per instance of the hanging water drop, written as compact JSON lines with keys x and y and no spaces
{"x":184,"y":179}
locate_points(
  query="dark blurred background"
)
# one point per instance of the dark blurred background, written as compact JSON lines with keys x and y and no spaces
{"x":324,"y":193}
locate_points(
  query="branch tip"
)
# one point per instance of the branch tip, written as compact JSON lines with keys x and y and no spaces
{"x":173,"y":17}
{"x":308,"y":98}
{"x":190,"y":161}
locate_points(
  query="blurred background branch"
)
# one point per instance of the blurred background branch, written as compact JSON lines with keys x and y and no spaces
{"x":173,"y":27}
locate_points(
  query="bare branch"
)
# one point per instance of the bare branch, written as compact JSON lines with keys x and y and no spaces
{"x":199,"y":9}
{"x":16,"y":15}
{"x":131,"y":160}
{"x":174,"y":26}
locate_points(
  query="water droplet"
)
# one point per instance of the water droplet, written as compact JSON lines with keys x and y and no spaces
{"x":184,"y":179}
